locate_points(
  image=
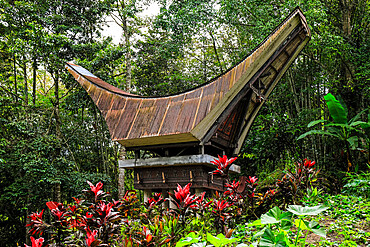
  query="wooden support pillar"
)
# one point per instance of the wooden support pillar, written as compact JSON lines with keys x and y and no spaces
{"x":147,"y":195}
{"x":198,"y":191}
{"x":121,"y":172}
{"x":121,"y":182}
{"x":165,"y":195}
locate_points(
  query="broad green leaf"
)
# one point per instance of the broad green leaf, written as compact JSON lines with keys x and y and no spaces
{"x":299,"y":223}
{"x":188,"y":240}
{"x":220,"y":240}
{"x":353,"y":141}
{"x":336,"y":110}
{"x":300,"y":210}
{"x":365,"y":125}
{"x":337,"y":125}
{"x":342,"y":103}
{"x":321,"y":232}
{"x":317,"y":229}
{"x":337,"y":132}
{"x":255,"y":223}
{"x":342,"y":126}
{"x":357,"y":123}
{"x":317,"y":132}
{"x":275,"y":215}
{"x":269,"y":239}
{"x":259,"y":233}
{"x":201,"y":244}
{"x":313,"y":123}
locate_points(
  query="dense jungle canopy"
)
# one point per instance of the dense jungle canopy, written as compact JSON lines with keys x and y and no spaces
{"x":53,"y":138}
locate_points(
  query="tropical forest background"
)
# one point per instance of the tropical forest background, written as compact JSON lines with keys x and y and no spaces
{"x":53,"y":138}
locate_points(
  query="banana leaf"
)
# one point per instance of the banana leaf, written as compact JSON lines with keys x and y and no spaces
{"x":336,"y":109}
{"x":318,"y":132}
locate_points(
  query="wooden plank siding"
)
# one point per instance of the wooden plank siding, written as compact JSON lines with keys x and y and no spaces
{"x":220,"y":111}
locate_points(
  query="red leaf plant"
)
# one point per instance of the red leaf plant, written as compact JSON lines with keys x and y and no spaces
{"x":223,"y":165}
{"x":71,"y":222}
{"x":232,"y":191}
{"x":183,"y":200}
{"x":156,"y":200}
{"x":91,"y":240}
{"x":252,"y":184}
{"x":37,"y":224}
{"x":308,"y":163}
{"x":296,"y":181}
{"x":201,"y":204}
{"x":153,"y":205}
{"x":35,"y":242}
{"x":182,"y":197}
{"x":221,"y":214}
{"x":96,"y":190}
{"x":129,"y":205}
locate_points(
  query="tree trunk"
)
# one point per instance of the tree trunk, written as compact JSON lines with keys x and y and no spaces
{"x":128,"y":49}
{"x":215,"y":50}
{"x":25,"y":81}
{"x":292,"y":87}
{"x":57,"y":185}
{"x":15,"y":79}
{"x":34,"y":67}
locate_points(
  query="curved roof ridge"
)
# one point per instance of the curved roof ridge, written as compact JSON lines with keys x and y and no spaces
{"x":117,"y":90}
{"x":197,"y":114}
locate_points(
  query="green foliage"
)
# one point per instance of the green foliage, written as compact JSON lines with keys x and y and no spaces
{"x":299,"y":210}
{"x":343,"y":129}
{"x":348,"y":217}
{"x":279,"y":224}
{"x":357,"y":184}
{"x":294,"y":227}
{"x":62,"y":139}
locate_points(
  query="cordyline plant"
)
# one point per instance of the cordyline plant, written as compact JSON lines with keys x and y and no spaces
{"x":241,"y":195}
{"x":246,"y":202}
{"x":187,"y":203}
{"x":35,"y":242}
{"x":90,"y":222}
{"x":93,"y":221}
{"x":296,"y":182}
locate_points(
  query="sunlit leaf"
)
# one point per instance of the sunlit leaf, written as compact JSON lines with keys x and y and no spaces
{"x":188,"y":240}
{"x":336,"y":109}
{"x":301,"y":210}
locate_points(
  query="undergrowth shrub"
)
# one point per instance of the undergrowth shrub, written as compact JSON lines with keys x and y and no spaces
{"x":358,"y":183}
{"x":97,"y":220}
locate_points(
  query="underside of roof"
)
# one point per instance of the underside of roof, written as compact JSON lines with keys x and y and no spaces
{"x":218,"y":113}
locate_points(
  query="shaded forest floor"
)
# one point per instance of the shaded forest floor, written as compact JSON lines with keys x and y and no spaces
{"x":347,"y":222}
